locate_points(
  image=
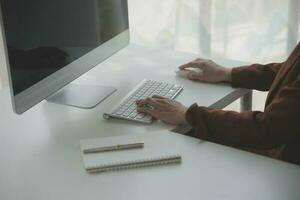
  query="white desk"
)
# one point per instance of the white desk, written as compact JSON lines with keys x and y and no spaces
{"x":40,"y":159}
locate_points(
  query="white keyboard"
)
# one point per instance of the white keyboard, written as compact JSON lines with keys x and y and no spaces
{"x":126,"y":109}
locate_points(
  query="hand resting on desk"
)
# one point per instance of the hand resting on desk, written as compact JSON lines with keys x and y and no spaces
{"x":206,"y":71}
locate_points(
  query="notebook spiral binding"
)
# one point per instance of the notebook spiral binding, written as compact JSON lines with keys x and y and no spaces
{"x":135,"y":164}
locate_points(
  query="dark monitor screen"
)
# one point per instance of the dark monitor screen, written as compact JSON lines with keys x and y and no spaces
{"x":43,"y":36}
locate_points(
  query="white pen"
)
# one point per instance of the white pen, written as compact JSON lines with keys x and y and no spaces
{"x":114,"y":147}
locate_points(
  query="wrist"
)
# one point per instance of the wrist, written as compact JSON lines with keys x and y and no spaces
{"x":227,"y":75}
{"x":183,"y":119}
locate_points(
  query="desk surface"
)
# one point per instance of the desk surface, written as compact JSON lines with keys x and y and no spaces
{"x":40,"y":158}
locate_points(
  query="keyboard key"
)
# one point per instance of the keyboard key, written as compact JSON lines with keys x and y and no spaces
{"x":140,"y":116}
{"x":133,"y":115}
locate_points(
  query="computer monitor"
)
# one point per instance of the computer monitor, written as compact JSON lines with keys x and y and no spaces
{"x":49,"y":43}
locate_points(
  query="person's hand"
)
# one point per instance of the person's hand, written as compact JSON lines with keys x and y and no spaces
{"x":164,"y":109}
{"x":209,"y":71}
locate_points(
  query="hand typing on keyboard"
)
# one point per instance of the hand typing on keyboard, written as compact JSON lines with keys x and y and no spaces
{"x":127,"y":108}
{"x":164,"y":109}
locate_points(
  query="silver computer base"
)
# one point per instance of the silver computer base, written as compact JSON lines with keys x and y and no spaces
{"x":82,"y":96}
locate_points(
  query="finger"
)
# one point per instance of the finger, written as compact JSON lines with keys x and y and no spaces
{"x":159,"y":97}
{"x":153,"y":112}
{"x":155,"y":102}
{"x":184,"y":66}
{"x":163,"y":101}
{"x":193,"y":64}
{"x":161,"y":115}
{"x":150,"y":102}
{"x":188,"y":71}
{"x":141,"y":102}
{"x":190,"y":64}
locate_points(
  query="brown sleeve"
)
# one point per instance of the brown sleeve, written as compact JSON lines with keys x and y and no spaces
{"x":259,"y":77}
{"x":264,"y":130}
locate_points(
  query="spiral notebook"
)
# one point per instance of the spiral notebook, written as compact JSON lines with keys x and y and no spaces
{"x":153,"y":153}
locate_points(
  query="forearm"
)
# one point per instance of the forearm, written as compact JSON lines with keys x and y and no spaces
{"x":261,"y":130}
{"x":256,"y":76}
{"x":225,"y":127}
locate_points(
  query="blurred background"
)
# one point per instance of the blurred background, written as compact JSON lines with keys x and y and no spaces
{"x":253,"y":31}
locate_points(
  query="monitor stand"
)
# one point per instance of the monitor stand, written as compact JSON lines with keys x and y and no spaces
{"x":82,"y":96}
